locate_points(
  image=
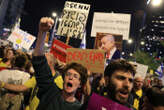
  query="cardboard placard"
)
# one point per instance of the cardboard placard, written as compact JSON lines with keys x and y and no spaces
{"x":58,"y":49}
{"x":92,"y":59}
{"x":21,"y":39}
{"x":74,"y":18}
{"x":111,"y":23}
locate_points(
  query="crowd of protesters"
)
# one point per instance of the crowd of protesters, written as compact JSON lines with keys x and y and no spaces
{"x":39,"y":81}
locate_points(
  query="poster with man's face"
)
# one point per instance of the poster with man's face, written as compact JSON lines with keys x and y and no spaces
{"x":117,"y":38}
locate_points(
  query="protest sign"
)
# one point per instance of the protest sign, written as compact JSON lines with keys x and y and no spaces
{"x":117,"y":38}
{"x":141,"y":70}
{"x":111,"y":23}
{"x":97,"y":102}
{"x":58,"y":49}
{"x":4,"y":42}
{"x":21,"y":39}
{"x":92,"y":59}
{"x":74,"y":18}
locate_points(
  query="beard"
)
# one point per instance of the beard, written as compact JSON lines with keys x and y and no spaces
{"x":114,"y":93}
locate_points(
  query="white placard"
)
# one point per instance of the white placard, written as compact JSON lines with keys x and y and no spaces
{"x":140,"y":69}
{"x":111,"y":23}
{"x":74,"y":20}
{"x":21,"y":39}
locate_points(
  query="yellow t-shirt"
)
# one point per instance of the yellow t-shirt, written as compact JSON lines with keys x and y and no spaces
{"x":136,"y":100}
{"x":31,"y":84}
{"x":2,"y":64}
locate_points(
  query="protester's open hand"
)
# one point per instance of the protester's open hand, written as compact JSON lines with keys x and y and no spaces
{"x":45,"y":24}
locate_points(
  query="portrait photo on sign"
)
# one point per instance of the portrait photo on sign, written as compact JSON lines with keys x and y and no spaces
{"x":110,"y":43}
{"x":117,"y":38}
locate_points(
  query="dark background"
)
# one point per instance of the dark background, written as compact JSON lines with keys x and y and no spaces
{"x":35,"y":9}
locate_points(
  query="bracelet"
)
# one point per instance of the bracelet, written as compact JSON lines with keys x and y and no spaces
{"x":2,"y":85}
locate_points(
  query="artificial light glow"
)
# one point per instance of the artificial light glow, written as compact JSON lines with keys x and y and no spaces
{"x":60,"y":19}
{"x":148,"y":1}
{"x":130,"y":41}
{"x":54,"y":14}
{"x":156,"y":2}
{"x":131,"y":54}
{"x":142,"y":42}
{"x":123,"y":53}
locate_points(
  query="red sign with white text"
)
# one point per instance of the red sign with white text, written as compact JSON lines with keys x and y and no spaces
{"x":58,"y":49}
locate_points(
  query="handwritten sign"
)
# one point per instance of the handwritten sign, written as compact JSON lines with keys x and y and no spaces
{"x":92,"y":59}
{"x":21,"y":39}
{"x":58,"y":49}
{"x":74,"y":18}
{"x":111,"y":23}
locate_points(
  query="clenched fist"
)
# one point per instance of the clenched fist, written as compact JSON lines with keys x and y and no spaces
{"x":45,"y":24}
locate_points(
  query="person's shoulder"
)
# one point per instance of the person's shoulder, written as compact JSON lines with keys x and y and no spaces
{"x":118,"y":51}
{"x":117,"y":54}
{"x":21,"y":72}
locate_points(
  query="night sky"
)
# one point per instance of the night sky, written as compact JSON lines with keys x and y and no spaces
{"x":35,"y":9}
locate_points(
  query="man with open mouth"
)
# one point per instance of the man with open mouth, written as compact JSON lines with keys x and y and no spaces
{"x":118,"y":76}
{"x":75,"y":76}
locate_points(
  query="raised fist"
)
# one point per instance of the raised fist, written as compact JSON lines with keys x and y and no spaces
{"x":45,"y":24}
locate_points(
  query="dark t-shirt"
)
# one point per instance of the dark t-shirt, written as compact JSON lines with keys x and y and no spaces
{"x":48,"y":93}
{"x":56,"y":102}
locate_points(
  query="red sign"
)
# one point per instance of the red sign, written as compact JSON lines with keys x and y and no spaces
{"x":58,"y":49}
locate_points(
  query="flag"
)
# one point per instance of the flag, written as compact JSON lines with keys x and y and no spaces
{"x":160,"y":70}
{"x":83,"y":42}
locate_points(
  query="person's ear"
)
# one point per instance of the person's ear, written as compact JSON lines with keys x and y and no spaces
{"x":106,"y":80}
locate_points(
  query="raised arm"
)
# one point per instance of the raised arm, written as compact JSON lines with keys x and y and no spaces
{"x":45,"y":25}
{"x":43,"y":72}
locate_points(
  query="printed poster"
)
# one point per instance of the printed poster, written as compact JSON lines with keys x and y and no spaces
{"x":58,"y":49}
{"x":118,"y":40}
{"x":21,"y":39}
{"x":114,"y":23}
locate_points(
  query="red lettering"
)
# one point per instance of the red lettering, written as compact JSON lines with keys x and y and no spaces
{"x":100,"y":58}
{"x":86,"y":57}
{"x":91,"y":57}
{"x":69,"y":56}
{"x":80,"y":56}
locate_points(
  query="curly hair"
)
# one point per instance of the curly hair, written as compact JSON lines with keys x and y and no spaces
{"x":119,"y":65}
{"x":80,"y":69}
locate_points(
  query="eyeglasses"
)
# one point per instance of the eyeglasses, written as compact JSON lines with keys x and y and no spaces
{"x":75,"y":76}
